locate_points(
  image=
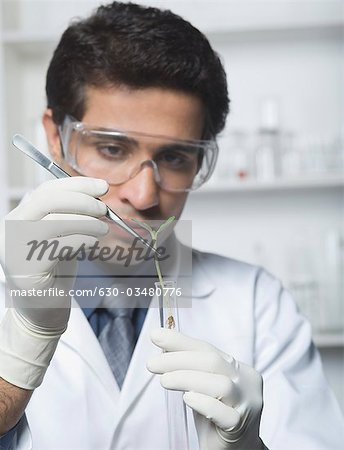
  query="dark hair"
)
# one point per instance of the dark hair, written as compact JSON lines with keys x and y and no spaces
{"x":136,"y":46}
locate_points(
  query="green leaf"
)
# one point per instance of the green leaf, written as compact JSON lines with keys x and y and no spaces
{"x":165,"y":224}
{"x":154,"y":235}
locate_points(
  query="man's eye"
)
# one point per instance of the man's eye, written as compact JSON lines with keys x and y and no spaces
{"x":111,"y":151}
{"x":173,"y":159}
{"x":177,"y":160}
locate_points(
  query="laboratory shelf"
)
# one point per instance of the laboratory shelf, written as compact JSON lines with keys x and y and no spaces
{"x":24,"y":37}
{"x":16,"y":193}
{"x":329,"y":340}
{"x":219,"y":19}
{"x":290,"y":184}
{"x":30,"y":43}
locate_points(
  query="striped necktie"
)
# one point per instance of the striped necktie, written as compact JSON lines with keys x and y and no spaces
{"x":117,"y":340}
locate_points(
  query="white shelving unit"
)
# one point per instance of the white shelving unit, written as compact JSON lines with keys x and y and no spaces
{"x":329,"y":340}
{"x":25,"y":50}
{"x":280,"y":184}
{"x":292,"y":50}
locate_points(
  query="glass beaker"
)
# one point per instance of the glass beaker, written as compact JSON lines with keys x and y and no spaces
{"x":176,"y":410}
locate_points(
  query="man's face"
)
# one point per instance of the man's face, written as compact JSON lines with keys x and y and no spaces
{"x":155,"y":111}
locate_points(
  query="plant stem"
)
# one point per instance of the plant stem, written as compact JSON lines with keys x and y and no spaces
{"x":170,"y":319}
{"x":154,"y":236}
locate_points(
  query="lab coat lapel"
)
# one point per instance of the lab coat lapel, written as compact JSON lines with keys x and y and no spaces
{"x":138,"y":376}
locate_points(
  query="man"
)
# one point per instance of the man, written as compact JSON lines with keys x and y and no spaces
{"x":136,"y":97}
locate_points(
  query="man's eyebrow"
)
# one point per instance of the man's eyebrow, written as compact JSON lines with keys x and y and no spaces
{"x":114,"y":135}
{"x":178,"y":146}
{"x":122,"y":137}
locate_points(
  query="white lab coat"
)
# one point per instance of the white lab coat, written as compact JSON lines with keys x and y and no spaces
{"x":238,"y":308}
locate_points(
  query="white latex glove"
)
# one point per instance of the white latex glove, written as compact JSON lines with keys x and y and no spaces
{"x":67,"y":211}
{"x":225,"y":395}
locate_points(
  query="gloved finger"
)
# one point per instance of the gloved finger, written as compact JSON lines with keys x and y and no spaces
{"x":31,"y":234}
{"x":40,"y":263}
{"x":60,"y":225}
{"x":172,"y":341}
{"x":217,"y":412}
{"x":190,"y":360}
{"x":38,"y":245}
{"x":95,"y":187}
{"x":47,"y":201}
{"x":212,"y":384}
{"x":57,"y":249}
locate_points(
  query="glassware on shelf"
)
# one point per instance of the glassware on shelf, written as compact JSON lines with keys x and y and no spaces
{"x":267,"y":148}
{"x":313,"y":156}
{"x":334,"y":155}
{"x":266,"y":158}
{"x":333,"y":281}
{"x":235,"y":158}
{"x":315,"y":278}
{"x":271,"y":155}
{"x":290,"y":156}
{"x":176,"y":409}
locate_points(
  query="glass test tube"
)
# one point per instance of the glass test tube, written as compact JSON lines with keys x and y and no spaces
{"x":176,"y":409}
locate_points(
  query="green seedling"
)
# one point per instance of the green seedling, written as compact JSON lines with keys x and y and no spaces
{"x":154,"y":235}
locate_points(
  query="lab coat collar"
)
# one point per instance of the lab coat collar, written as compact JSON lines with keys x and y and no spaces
{"x":187,"y":269}
{"x":202,"y":282}
{"x":80,"y":338}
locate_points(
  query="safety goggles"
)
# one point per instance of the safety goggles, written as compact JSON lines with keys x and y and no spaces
{"x":117,"y":156}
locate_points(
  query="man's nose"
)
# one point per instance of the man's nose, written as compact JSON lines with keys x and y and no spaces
{"x":141,"y":191}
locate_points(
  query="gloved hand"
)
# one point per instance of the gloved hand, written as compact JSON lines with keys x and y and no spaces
{"x":225,"y":395}
{"x":66,"y":211}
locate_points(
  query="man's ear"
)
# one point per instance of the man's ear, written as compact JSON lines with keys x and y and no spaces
{"x":52,"y":134}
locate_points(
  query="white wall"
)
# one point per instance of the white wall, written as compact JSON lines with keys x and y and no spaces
{"x":300,"y":68}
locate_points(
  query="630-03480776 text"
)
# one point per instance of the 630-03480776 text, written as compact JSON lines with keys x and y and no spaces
{"x":96,"y":291}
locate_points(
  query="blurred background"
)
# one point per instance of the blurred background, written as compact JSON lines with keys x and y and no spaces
{"x":277,"y":195}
